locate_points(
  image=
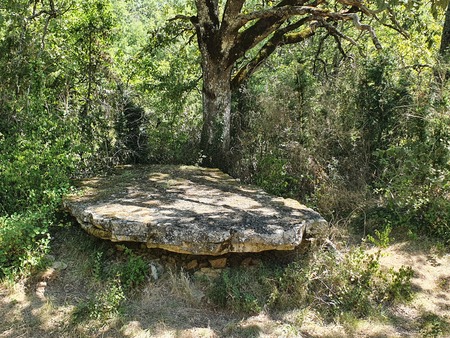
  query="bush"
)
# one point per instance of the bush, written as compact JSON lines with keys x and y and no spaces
{"x":245,"y":290}
{"x":104,"y":304}
{"x":24,"y":240}
{"x":356,"y":284}
{"x":353,"y":284}
{"x":132,"y":271}
{"x":414,"y":184}
{"x":112,"y":281}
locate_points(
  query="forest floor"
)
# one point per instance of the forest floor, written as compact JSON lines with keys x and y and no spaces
{"x":50,"y":303}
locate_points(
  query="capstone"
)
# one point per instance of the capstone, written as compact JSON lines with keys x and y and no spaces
{"x":188,"y":209}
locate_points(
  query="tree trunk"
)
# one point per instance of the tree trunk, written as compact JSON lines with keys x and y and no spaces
{"x":216,"y":69}
{"x":445,"y":37}
{"x":215,"y":139}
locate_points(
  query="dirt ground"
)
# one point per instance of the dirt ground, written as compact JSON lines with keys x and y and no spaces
{"x":45,"y":305}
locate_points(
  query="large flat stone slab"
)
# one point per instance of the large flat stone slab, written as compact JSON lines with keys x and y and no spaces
{"x":188,"y":209}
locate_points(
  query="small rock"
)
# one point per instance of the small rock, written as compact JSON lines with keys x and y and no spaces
{"x":156,"y":269}
{"x":53,"y":271}
{"x":192,"y":265}
{"x":218,"y":263}
{"x":40,"y":290}
{"x":59,"y":265}
{"x":207,"y":272}
{"x":154,"y":272}
{"x":48,"y":274}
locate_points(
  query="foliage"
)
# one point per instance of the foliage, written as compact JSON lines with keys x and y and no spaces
{"x":414,"y":180}
{"x":381,"y":238}
{"x":130,"y":271}
{"x":354,"y":283}
{"x":167,"y":73}
{"x":433,"y":325}
{"x":95,"y":83}
{"x":357,"y":284}
{"x":113,"y":280}
{"x":105,"y":304}
{"x":133,"y":271}
{"x":363,"y":136}
{"x":245,"y":290}
{"x":35,"y":169}
{"x":24,"y":240}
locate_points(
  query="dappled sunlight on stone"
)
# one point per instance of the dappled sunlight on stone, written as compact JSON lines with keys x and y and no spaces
{"x":189,"y":209}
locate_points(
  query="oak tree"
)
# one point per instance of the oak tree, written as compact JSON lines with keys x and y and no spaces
{"x":228,"y":31}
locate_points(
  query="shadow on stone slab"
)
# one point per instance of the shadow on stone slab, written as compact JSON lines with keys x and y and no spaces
{"x":189,"y":210}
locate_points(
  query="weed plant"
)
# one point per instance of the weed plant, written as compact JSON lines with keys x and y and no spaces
{"x":24,"y":241}
{"x":113,"y":282}
{"x":354,"y":284}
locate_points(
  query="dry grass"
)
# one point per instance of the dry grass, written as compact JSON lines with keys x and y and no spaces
{"x":175,"y":305}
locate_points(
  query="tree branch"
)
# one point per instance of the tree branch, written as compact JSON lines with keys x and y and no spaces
{"x":259,"y":31}
{"x":183,"y":18}
{"x":396,"y":25}
{"x":282,"y":37}
{"x":338,"y":34}
{"x":363,"y":27}
{"x":232,"y":9}
{"x":317,"y":54}
{"x":281,"y":13}
{"x":271,"y":19}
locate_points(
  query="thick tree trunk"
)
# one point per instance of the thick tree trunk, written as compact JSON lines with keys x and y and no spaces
{"x":445,"y":37}
{"x":216,"y":69}
{"x":215,"y":139}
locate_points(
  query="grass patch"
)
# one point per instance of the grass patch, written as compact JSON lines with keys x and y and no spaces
{"x":106,"y":289}
{"x":434,"y":326}
{"x":353,"y":284}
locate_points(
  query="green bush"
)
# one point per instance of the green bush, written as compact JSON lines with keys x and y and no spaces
{"x":415,"y":185}
{"x":113,"y":280}
{"x":274,"y":177}
{"x":24,"y":240}
{"x":132,"y":271}
{"x":245,"y":290}
{"x":352,"y":284}
{"x":104,"y":304}
{"x":129,"y":269}
{"x":36,"y":163}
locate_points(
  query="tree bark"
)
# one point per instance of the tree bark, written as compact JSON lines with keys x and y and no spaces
{"x":445,"y":37}
{"x":215,"y":138}
{"x":216,"y":69}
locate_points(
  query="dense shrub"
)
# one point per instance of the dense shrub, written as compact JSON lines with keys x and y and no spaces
{"x":24,"y":241}
{"x":113,"y":279}
{"x":353,"y":283}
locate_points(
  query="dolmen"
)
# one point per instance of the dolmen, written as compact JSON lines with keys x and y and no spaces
{"x":190,"y":210}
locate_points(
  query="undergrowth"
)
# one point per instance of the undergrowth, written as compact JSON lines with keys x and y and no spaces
{"x":24,"y":241}
{"x":353,"y":283}
{"x":113,"y":281}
